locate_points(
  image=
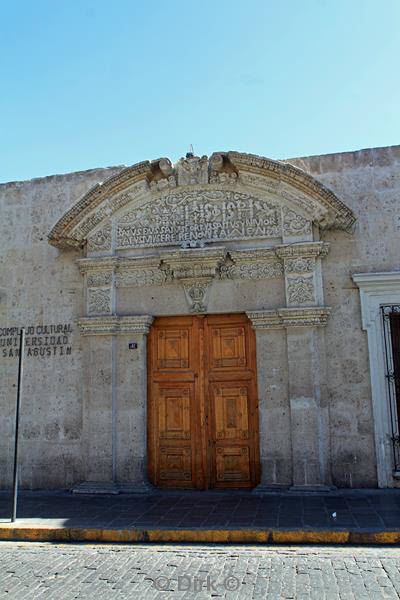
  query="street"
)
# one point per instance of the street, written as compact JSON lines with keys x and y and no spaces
{"x":64,"y":572}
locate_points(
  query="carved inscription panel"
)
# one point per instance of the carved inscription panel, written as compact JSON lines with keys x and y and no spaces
{"x":208,"y":215}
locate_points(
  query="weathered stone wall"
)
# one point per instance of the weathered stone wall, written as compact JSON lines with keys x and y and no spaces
{"x":41,"y":285}
{"x":368,"y":182}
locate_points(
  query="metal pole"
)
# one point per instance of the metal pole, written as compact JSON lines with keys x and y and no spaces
{"x":19,"y":390}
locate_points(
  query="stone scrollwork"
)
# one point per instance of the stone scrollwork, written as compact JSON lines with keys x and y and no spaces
{"x":295,"y":224}
{"x":99,"y":301}
{"x":98,"y":278}
{"x":140,"y":277}
{"x":100,"y":240}
{"x":300,"y":290}
{"x":299,"y":265}
{"x":255,"y":270}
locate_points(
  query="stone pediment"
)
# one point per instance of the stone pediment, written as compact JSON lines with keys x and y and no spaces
{"x":229,"y":196}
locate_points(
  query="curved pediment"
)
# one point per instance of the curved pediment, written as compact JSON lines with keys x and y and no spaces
{"x":229,"y":196}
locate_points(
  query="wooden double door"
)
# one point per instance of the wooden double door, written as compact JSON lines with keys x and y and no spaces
{"x":202,"y":403}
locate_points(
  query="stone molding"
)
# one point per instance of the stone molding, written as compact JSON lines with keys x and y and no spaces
{"x":115,"y":325}
{"x":376,"y":290}
{"x":289,"y":183}
{"x":289,"y":317}
{"x":167,"y":267}
{"x":302,"y":250}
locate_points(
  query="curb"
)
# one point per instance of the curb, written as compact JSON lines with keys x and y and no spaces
{"x":238,"y":536}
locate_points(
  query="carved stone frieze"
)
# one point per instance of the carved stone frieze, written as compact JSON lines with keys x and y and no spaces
{"x":295,"y":224}
{"x":136,"y":324}
{"x":200,"y":214}
{"x":289,"y":317}
{"x":300,"y":289}
{"x":99,"y":301}
{"x":98,"y":278}
{"x":255,"y":270}
{"x":299,"y":265}
{"x":100,"y":240}
{"x":140,"y":277}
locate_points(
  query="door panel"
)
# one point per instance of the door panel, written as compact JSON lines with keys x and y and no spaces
{"x":231,"y":414}
{"x":174,"y":409}
{"x":232,"y":466}
{"x":202,"y":407}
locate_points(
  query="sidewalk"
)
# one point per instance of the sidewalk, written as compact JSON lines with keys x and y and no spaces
{"x":343,"y":516}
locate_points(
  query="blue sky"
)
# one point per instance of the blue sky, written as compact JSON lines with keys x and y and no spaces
{"x":89,"y":84}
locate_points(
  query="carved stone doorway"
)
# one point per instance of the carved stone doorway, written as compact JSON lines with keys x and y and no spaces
{"x":202,"y":402}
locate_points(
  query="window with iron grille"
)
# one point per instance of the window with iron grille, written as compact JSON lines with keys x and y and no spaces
{"x":391,"y":328}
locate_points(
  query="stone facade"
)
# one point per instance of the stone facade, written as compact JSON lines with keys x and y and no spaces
{"x":283,"y":241}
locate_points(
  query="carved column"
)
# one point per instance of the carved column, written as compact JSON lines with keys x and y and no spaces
{"x":114,"y":403}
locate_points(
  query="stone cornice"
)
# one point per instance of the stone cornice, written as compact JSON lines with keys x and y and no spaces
{"x":302,"y":249}
{"x":338,"y":214}
{"x":377,"y":281}
{"x":93,"y":198}
{"x":160,"y":176}
{"x":115,"y":325}
{"x":289,"y":317}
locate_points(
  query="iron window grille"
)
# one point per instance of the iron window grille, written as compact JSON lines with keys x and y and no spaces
{"x":391,"y":332}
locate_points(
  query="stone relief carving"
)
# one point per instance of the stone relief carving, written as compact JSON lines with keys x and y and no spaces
{"x":300,"y":189}
{"x":99,"y":300}
{"x":300,"y":289}
{"x":196,"y":293}
{"x":255,"y":271}
{"x":210,"y":215}
{"x":140,"y":277}
{"x":101,"y":240}
{"x":221,"y":170}
{"x":192,"y":170}
{"x":295,"y":224}
{"x":299,"y":265}
{"x":98,"y":278}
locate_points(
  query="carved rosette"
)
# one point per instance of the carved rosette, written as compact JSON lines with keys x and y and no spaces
{"x":100,"y":240}
{"x":294,"y":224}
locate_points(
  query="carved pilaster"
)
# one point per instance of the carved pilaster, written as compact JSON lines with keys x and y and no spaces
{"x":303,"y":282}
